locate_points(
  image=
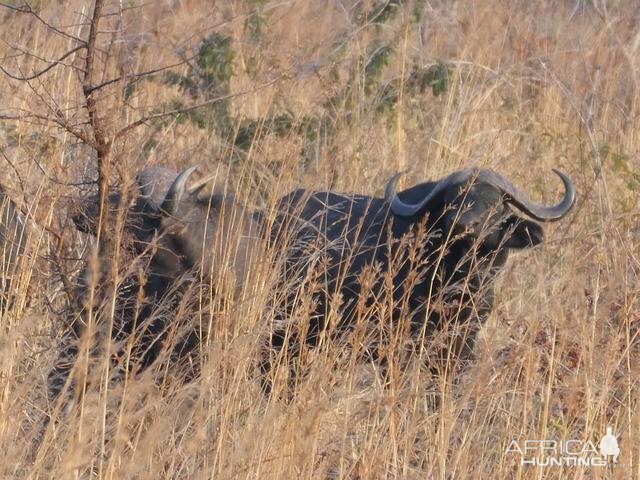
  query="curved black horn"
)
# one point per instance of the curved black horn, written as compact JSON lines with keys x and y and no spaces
{"x":154,"y":182}
{"x":398,"y":207}
{"x":174,"y":194}
{"x":515,"y":196}
{"x":535,"y":210}
{"x":200,"y":184}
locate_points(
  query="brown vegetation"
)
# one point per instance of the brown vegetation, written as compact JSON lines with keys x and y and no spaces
{"x":339,"y":95}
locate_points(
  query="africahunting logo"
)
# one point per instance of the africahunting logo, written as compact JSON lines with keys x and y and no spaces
{"x":567,"y":453}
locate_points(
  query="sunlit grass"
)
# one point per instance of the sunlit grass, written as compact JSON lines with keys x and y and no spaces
{"x":533,"y":85}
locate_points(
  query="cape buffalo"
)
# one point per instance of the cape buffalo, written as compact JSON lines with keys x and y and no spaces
{"x":13,"y":238}
{"x":171,"y":236}
{"x":418,"y":265}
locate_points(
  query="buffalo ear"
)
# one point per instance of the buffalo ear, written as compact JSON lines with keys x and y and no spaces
{"x":82,"y":223}
{"x":85,"y":215}
{"x":522,"y":233}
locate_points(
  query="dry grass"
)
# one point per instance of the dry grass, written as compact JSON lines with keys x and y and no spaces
{"x":535,"y":85}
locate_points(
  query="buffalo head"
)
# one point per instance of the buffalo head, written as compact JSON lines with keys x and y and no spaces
{"x":478,"y":206}
{"x":191,"y":228}
{"x":210,"y":230}
{"x":171,"y":232}
{"x":142,"y":212}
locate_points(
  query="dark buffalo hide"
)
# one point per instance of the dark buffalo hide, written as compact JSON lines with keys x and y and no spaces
{"x":174,"y":243}
{"x":410,"y":269}
{"x":13,"y":239}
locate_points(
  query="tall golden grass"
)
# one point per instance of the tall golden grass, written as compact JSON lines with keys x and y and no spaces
{"x":533,"y":85}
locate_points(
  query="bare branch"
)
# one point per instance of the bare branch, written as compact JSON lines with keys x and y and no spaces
{"x":135,"y":76}
{"x":190,"y":108}
{"x":60,"y":182}
{"x":67,"y":286}
{"x":91,"y":42}
{"x":13,"y":167}
{"x":45,"y":70}
{"x":58,"y":120}
{"x":28,"y":10}
{"x":102,"y":145}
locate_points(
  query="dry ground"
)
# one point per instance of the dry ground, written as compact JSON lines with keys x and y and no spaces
{"x":335,"y":94}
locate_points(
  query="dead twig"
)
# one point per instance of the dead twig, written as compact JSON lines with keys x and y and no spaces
{"x":43,"y":71}
{"x":190,"y":108}
{"x":134,"y":76}
{"x":28,"y":10}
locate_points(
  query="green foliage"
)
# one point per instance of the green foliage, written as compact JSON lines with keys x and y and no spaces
{"x":252,"y":67}
{"x":364,"y":90}
{"x":381,"y":13}
{"x":419,"y":9}
{"x":128,"y":90}
{"x":619,"y":161}
{"x":215,"y":59}
{"x":620,"y":165}
{"x":375,"y":66}
{"x":309,"y":127}
{"x":278,"y":125}
{"x":256,"y":22}
{"x":437,"y":77}
{"x":148,"y":147}
{"x":207,"y":79}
